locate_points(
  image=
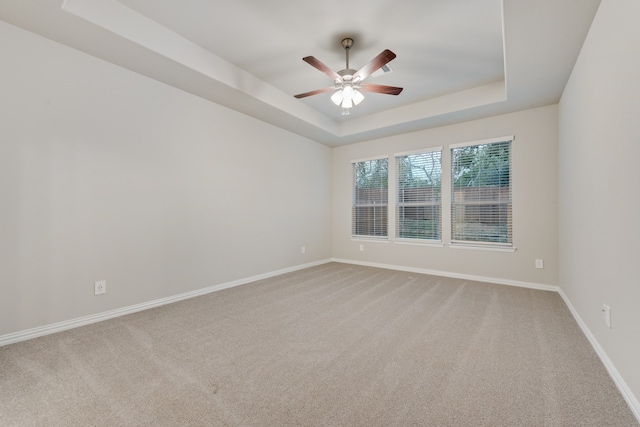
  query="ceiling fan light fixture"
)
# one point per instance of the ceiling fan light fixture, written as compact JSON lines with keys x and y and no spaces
{"x":347,"y":92}
{"x":346,"y":98}
{"x":357,"y":97}
{"x":336,"y":98}
{"x":347,"y":103}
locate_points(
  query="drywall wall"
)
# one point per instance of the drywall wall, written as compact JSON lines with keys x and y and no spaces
{"x":106,"y":174}
{"x":599,"y":211}
{"x":534,"y":158}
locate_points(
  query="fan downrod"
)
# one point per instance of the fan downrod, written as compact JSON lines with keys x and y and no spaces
{"x":346,"y":44}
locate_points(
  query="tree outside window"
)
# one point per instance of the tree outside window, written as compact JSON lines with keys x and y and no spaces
{"x":418,"y":206}
{"x":481,"y":193}
{"x":370,"y":198}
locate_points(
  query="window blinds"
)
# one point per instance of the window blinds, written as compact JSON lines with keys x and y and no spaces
{"x":481,"y":193}
{"x":370,"y":197}
{"x":418,"y":198}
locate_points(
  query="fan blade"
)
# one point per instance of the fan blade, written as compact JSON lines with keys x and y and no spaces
{"x":314,"y":92}
{"x":311,"y":60}
{"x":387,"y":90}
{"x":374,"y":64}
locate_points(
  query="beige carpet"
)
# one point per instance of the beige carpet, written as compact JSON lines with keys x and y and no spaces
{"x":333,"y":345}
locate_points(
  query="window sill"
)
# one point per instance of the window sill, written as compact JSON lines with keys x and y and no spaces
{"x":419,"y":242}
{"x":487,"y":248}
{"x":371,"y":239}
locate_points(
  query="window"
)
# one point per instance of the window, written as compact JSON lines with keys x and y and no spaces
{"x":418,"y":201}
{"x":370,"y":198}
{"x":481,"y":193}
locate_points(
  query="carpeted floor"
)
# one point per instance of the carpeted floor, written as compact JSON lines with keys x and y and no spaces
{"x":332,"y":345}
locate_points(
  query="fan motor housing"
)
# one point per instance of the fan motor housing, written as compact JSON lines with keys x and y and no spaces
{"x":347,"y":73}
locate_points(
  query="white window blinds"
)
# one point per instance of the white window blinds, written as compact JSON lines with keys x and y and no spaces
{"x":481,"y":193}
{"x":418,"y":198}
{"x":370,"y":197}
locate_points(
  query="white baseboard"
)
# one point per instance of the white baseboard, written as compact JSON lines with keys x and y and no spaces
{"x":94,"y":318}
{"x":626,"y":392}
{"x":518,"y":283}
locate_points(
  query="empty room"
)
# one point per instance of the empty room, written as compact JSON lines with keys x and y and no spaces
{"x":338,"y":213}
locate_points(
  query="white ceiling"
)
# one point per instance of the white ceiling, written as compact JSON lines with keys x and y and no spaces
{"x":457,"y":60}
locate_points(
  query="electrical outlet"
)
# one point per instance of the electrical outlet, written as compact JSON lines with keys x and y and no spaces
{"x":361,"y":248}
{"x":100,"y":287}
{"x":303,"y":250}
{"x":539,"y":263}
{"x":606,"y":315}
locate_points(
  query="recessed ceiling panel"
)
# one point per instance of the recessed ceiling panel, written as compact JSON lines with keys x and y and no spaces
{"x":442,"y":46}
{"x":457,"y":60}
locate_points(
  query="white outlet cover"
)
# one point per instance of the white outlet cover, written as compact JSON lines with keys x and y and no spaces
{"x":606,"y":315}
{"x":100,"y":287}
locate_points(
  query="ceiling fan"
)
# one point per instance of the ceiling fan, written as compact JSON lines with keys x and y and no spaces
{"x":348,"y":83}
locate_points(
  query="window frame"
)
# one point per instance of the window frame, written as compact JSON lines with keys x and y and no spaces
{"x":508,"y":246}
{"x":398,"y":205}
{"x":384,"y":201}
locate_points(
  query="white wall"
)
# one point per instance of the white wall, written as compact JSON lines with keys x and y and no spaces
{"x":106,"y":174}
{"x":599,"y":211}
{"x":534,"y":157}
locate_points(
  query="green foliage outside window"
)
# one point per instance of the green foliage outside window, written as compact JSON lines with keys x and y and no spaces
{"x":418,"y":196}
{"x":481,"y":193}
